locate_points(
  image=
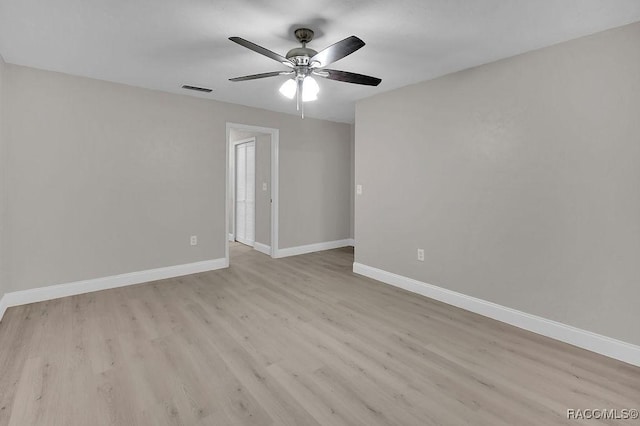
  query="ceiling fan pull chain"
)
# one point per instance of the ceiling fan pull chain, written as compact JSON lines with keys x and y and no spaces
{"x":298,"y":94}
{"x":301,"y":96}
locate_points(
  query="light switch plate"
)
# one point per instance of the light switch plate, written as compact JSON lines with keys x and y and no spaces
{"x":264,"y":186}
{"x":359,"y":189}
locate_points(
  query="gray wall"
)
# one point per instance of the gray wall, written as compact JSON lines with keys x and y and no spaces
{"x":263,"y":198}
{"x":3,"y":181}
{"x":314,"y":178}
{"x":106,"y":179}
{"x":520,"y":179}
{"x":352,"y":180}
{"x":263,"y":175}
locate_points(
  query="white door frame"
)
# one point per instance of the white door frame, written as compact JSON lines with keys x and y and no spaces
{"x":275,"y":144}
{"x":232,"y":182}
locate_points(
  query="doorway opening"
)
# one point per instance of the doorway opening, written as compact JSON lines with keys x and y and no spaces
{"x":252,"y":188}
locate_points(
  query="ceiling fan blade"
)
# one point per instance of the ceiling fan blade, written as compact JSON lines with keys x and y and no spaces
{"x":337,"y":51}
{"x":262,"y":75}
{"x":348,"y":77}
{"x":261,"y":50}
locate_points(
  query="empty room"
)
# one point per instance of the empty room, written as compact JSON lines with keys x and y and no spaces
{"x":420,"y":212}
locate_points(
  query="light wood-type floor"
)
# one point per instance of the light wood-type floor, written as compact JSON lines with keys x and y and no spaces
{"x":295,"y":341}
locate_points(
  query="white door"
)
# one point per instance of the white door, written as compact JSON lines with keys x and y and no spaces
{"x":245,"y":229}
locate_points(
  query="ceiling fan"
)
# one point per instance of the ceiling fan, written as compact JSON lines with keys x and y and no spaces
{"x":305,"y":63}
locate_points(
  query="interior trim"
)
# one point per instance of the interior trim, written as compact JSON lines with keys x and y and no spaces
{"x":262,"y":248}
{"x":584,"y":339}
{"x":310,"y":248}
{"x":40,"y":294}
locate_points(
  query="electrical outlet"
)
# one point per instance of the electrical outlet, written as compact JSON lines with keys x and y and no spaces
{"x":421,"y":255}
{"x":194,"y":240}
{"x":264,"y":186}
{"x":359,"y":189}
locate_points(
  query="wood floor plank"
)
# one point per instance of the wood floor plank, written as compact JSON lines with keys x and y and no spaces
{"x":294,"y":341}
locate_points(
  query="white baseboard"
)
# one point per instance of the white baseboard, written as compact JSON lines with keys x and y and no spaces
{"x":262,"y":248}
{"x":40,"y":294}
{"x":310,"y":248}
{"x":3,"y":305}
{"x":603,"y":345}
{"x":352,"y":242}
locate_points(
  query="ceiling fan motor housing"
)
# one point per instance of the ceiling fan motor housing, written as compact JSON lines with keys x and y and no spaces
{"x":300,"y":55}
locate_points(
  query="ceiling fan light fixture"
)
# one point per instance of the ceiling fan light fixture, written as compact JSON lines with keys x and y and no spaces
{"x":289,"y":88}
{"x":310,"y":89}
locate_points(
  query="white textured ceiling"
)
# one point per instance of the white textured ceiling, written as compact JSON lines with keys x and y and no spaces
{"x":162,"y":44}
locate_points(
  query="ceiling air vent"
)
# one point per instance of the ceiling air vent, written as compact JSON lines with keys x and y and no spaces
{"x":196,"y":88}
